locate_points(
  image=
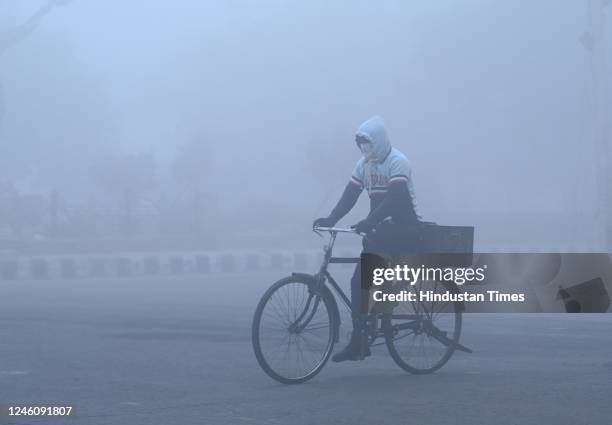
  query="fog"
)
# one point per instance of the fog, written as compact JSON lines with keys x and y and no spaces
{"x":248,"y":110}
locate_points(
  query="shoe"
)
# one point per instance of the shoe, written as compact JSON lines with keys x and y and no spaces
{"x":351,"y":353}
{"x":357,"y":349}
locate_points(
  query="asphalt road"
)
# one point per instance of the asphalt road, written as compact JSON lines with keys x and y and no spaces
{"x":178,"y":351}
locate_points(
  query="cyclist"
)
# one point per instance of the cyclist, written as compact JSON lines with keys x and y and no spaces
{"x":393,"y":220}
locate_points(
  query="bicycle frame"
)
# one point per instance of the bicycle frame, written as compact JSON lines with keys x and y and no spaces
{"x":370,"y":319}
{"x":416,"y":321}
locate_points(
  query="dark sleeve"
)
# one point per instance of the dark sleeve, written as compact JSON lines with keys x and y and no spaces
{"x":347,"y":201}
{"x":397,"y":203}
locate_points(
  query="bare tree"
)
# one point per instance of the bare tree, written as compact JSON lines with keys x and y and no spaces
{"x":192,"y":164}
{"x":129,"y":178}
{"x":192,"y":169}
{"x":14,"y":35}
{"x":11,"y":37}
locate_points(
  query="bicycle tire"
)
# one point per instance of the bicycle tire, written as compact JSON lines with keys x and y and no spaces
{"x":323,"y":297}
{"x":410,"y":364}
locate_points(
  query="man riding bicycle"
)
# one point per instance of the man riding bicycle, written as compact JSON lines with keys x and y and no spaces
{"x":391,"y":225}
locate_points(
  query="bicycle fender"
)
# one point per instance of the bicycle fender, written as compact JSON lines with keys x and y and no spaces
{"x":326,"y":292}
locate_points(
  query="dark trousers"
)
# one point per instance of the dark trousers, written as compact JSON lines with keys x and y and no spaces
{"x":387,"y":238}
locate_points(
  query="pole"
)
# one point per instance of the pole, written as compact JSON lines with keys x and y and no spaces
{"x":602,"y":120}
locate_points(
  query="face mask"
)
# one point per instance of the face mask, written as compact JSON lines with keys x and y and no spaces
{"x":367,"y":150}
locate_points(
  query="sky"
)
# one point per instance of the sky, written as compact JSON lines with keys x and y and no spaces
{"x":491,"y":101}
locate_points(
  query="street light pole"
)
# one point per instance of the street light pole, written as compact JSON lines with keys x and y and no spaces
{"x":597,"y":46}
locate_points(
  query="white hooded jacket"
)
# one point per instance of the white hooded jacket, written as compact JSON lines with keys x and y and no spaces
{"x":388,"y":165}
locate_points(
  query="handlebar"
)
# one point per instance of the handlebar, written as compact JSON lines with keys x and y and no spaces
{"x":335,"y":229}
{"x":333,"y":232}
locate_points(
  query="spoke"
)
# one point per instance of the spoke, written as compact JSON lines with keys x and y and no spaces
{"x":280,"y":344}
{"x":273,"y":315}
{"x":294,"y":355}
{"x":403,"y":336}
{"x":279,"y":309}
{"x":314,"y":324}
{"x":310,"y":350}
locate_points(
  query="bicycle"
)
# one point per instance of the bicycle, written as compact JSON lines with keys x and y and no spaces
{"x":298,"y":318}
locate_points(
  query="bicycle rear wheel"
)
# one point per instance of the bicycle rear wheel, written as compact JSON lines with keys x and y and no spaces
{"x":293,"y":330}
{"x":421,"y":336}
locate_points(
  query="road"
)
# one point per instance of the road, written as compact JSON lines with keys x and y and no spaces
{"x":178,"y":351}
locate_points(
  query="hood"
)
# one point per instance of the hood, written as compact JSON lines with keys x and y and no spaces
{"x":375,"y":131}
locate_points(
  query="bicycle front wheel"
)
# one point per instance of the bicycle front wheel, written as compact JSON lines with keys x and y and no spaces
{"x":421,"y":336}
{"x":293,"y":330}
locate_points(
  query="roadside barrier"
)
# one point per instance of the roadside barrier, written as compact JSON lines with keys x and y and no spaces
{"x":155,"y":264}
{"x":160,"y":264}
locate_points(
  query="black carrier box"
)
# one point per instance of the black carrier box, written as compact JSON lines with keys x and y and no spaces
{"x":454,"y":245}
